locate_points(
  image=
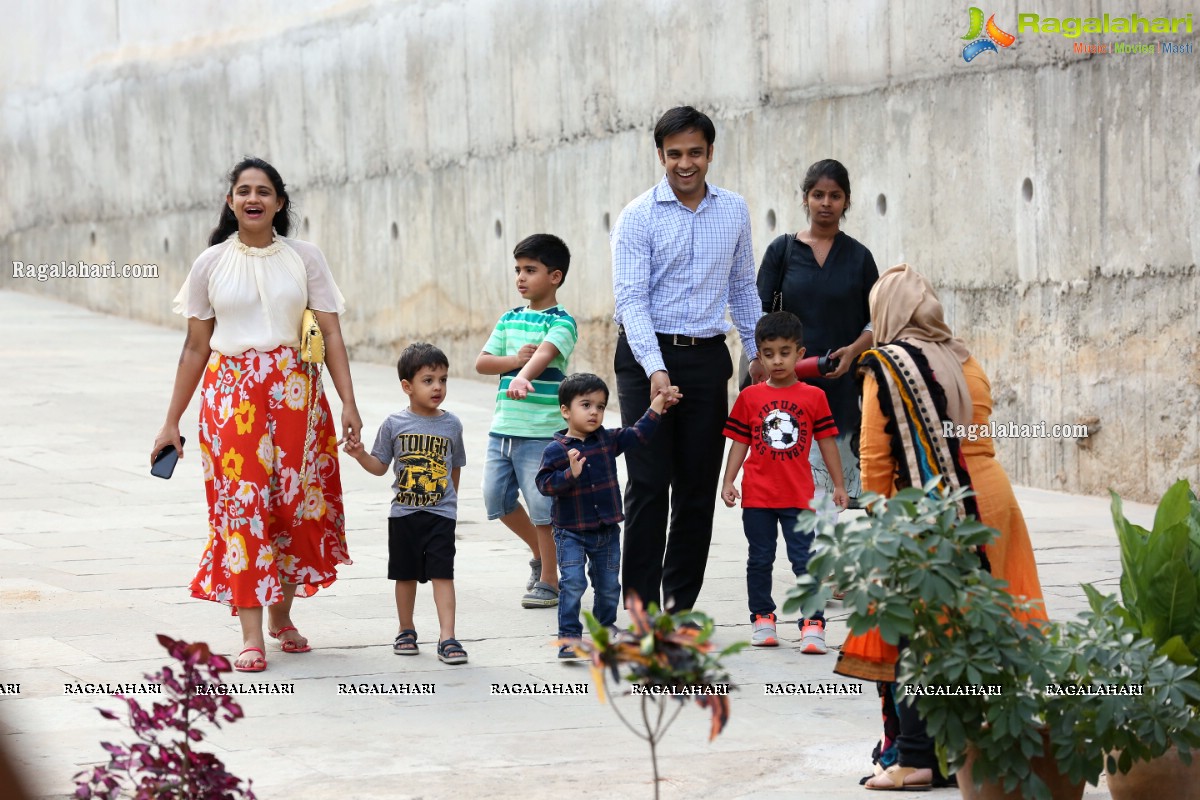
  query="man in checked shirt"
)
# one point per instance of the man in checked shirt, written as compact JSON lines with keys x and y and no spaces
{"x":579,"y":470}
{"x":682,"y":255}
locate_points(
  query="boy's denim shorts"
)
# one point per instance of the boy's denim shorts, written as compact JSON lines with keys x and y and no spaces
{"x":512,"y":463}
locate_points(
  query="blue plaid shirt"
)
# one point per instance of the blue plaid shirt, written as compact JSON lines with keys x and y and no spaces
{"x":594,"y":498}
{"x":676,"y":270}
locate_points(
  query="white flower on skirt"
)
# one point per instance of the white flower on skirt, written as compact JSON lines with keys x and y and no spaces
{"x":289,"y":484}
{"x":287,"y":563}
{"x":206,"y":463}
{"x":236,"y":560}
{"x":266,"y":556}
{"x":266,"y":453}
{"x":295,"y":391}
{"x":314,"y":502}
{"x":268,"y":591}
{"x":246,"y":492}
{"x":260,"y":366}
{"x":226,"y":409}
{"x":308,"y":575}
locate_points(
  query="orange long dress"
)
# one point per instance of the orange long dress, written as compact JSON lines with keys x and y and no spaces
{"x":1011,"y":555}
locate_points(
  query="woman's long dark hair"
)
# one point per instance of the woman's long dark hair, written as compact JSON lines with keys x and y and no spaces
{"x":227,"y":222}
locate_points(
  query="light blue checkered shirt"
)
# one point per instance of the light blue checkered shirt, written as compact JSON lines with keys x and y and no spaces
{"x":676,"y":270}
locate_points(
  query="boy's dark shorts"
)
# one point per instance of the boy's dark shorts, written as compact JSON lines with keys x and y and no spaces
{"x":420,"y":547}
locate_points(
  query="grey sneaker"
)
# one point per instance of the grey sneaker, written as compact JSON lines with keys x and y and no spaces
{"x":765,"y":634}
{"x":812,"y":637}
{"x":542,"y":595}
{"x":535,"y":574}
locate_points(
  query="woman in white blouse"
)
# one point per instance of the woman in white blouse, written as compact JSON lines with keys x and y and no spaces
{"x":267,"y":443}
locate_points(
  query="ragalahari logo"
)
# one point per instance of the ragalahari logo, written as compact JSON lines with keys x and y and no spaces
{"x":985,"y":37}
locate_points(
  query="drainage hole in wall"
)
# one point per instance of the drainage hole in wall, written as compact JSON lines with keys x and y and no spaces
{"x":1027,"y":189}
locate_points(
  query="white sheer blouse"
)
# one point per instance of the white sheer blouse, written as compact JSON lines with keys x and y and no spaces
{"x":258,"y":294}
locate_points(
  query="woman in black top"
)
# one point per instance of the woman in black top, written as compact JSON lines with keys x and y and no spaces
{"x":824,"y":277}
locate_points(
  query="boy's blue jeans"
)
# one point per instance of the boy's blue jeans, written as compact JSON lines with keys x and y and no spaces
{"x":762,"y":528}
{"x":600,"y":552}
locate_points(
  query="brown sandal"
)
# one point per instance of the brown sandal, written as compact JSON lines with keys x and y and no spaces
{"x":897,"y":774}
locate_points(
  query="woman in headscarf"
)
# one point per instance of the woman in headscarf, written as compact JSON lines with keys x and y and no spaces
{"x":924,"y":376}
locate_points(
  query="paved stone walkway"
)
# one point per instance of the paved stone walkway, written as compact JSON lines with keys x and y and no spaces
{"x":96,"y":556}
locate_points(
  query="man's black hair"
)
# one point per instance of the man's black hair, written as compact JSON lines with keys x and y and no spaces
{"x":681,"y":119}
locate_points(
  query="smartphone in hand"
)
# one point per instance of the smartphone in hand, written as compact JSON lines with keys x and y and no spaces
{"x":164,"y":462}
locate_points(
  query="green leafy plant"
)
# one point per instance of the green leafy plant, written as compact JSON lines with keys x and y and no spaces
{"x":1160,"y":573}
{"x":911,"y":566}
{"x":669,"y":659}
{"x":1115,"y":730}
{"x":164,"y":764}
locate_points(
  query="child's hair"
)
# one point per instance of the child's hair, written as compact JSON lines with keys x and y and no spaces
{"x":548,"y":249}
{"x":417,"y":355}
{"x":580,"y":383}
{"x":779,"y":325}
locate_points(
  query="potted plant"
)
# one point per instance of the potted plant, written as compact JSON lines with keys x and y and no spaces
{"x":1129,"y":704}
{"x":977,"y":673}
{"x":997,"y":712}
{"x":1160,"y":599}
{"x":670,"y":659}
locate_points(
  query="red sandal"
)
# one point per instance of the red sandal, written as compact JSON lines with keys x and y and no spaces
{"x":257,"y":665}
{"x":287,"y":645}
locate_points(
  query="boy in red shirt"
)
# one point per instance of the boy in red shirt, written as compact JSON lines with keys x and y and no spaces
{"x":776,"y":423}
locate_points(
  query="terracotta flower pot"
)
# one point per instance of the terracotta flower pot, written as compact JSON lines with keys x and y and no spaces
{"x":1044,"y":766}
{"x":1166,"y":776}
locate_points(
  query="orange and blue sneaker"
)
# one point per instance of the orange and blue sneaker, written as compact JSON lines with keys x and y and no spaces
{"x":765,"y":634}
{"x":812,"y":637}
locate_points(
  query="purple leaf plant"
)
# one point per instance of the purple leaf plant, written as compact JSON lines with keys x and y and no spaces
{"x":162,"y":764}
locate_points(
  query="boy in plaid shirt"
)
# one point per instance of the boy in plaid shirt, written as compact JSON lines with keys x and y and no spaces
{"x":579,"y":471}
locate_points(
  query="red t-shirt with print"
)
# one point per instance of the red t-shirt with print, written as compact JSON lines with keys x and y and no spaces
{"x":779,"y":425}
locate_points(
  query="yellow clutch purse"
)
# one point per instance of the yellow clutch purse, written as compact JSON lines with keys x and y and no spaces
{"x":312,"y":343}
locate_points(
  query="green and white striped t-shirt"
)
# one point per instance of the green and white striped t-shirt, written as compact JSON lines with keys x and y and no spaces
{"x":535,"y":417}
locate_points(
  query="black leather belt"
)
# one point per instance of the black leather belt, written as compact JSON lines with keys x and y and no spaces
{"x":679,"y":339}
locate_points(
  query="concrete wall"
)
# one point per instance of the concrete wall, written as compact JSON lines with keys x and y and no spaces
{"x":1053,"y":197}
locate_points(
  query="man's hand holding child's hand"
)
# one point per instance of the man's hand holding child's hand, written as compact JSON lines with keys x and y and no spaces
{"x":665,"y":399}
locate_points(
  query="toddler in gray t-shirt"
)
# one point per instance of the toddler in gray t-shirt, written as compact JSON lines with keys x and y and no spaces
{"x":424,"y":446}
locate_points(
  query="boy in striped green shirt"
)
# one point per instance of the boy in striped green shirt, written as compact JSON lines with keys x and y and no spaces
{"x":529,"y":350}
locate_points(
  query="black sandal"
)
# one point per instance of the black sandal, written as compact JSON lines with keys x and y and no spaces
{"x":406,"y":643}
{"x":451,"y":652}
